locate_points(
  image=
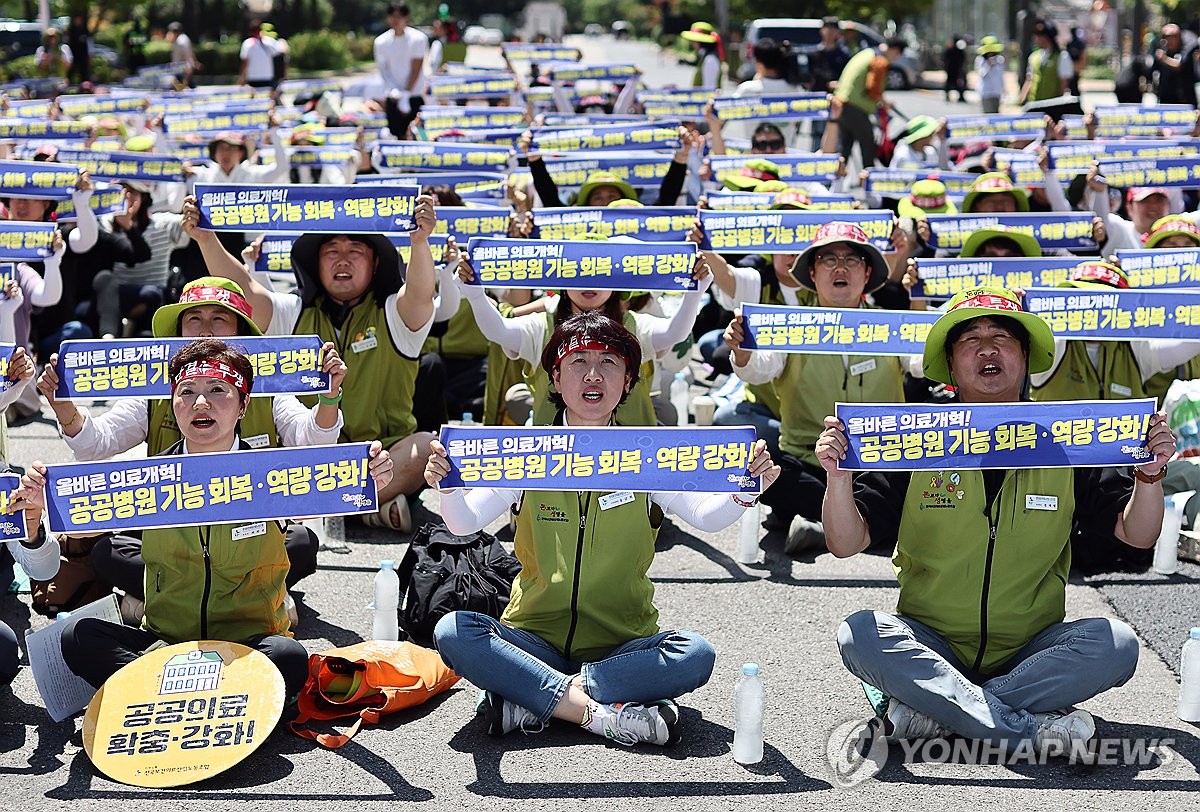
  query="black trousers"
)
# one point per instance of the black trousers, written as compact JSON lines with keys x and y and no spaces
{"x":118,"y":559}
{"x":856,"y":128}
{"x":96,"y":649}
{"x":800,"y":489}
{"x":398,"y":122}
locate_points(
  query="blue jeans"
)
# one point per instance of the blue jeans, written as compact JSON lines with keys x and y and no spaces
{"x":751,"y":414}
{"x":1062,"y":665}
{"x":528,"y":671}
{"x":70,"y":331}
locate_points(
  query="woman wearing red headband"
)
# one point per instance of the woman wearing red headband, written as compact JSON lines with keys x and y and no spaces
{"x":201,"y":583}
{"x":579,"y":640}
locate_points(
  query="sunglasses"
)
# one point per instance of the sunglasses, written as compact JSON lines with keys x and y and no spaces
{"x":767,"y":143}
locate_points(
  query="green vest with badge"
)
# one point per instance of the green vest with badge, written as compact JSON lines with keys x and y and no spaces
{"x":216,"y":581}
{"x":583,"y":586}
{"x":987,"y":580}
{"x":811,"y":383}
{"x":1043,"y":75}
{"x":765,"y":393}
{"x":378,"y":388}
{"x":1075,"y":378}
{"x":1158,"y":385}
{"x":637,"y":410}
{"x":256,"y":429}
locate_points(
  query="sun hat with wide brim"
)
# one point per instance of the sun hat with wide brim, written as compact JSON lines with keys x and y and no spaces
{"x":993,"y":183}
{"x":791,"y":199}
{"x":1095,"y":274}
{"x":207,"y":290}
{"x":919,"y":127}
{"x":598,"y":179}
{"x":928,"y":196}
{"x":228,"y":137}
{"x":750,"y":177}
{"x":1173,"y":225}
{"x":989,"y":45}
{"x":1028,"y":244}
{"x":389,"y":272}
{"x":974,"y":303}
{"x":700,"y":32}
{"x":835,"y":232}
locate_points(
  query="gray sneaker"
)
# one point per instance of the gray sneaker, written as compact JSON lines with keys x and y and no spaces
{"x":503,"y":716}
{"x":804,"y":536}
{"x":651,"y":723}
{"x":902,"y":722}
{"x":1064,"y":732}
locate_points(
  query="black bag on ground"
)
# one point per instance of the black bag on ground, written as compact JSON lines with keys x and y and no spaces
{"x":443,"y":573}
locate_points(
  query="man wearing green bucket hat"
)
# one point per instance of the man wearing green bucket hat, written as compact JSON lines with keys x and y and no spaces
{"x":921,"y":146}
{"x":978,"y":645}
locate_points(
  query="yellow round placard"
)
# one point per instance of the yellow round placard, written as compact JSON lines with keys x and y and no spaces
{"x":183,"y":713}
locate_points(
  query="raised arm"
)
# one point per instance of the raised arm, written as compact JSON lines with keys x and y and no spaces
{"x":415,"y":300}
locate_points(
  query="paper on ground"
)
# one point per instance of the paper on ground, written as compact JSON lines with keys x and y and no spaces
{"x":64,"y":693}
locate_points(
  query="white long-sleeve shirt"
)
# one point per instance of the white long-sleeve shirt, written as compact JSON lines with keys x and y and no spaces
{"x":40,"y":564}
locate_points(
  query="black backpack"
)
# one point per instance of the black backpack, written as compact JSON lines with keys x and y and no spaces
{"x":443,"y":573}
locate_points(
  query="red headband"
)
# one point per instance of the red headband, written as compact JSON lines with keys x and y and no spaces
{"x":928,"y":202}
{"x":760,"y":174}
{"x":579,"y":343}
{"x":212,"y":368}
{"x":204,"y":294}
{"x":990,"y":301}
{"x":1098,"y":272}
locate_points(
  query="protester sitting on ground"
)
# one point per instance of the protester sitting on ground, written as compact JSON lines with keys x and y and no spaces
{"x":229,"y":154}
{"x":1146,"y":206}
{"x":923,"y":145}
{"x":524,"y":337}
{"x":209,"y":307}
{"x":354,"y":293}
{"x":841,"y":265}
{"x":208,"y":584}
{"x":1173,"y":231}
{"x":38,"y":557}
{"x":579,"y":640}
{"x":1011,"y":674}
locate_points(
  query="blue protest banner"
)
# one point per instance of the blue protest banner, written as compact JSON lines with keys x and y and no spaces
{"x":898,"y":182}
{"x":650,"y":223}
{"x":617,"y":137}
{"x":1071,"y":230}
{"x":275,"y":252}
{"x":26,"y":242}
{"x":323,"y":156}
{"x":475,"y":184}
{"x":12,"y":528}
{"x":7,"y":272}
{"x":588,"y":119}
{"x":785,"y":232}
{"x":539,"y":52}
{"x":410,"y":156}
{"x":1161,"y":267}
{"x":575,"y":72}
{"x":498,"y":138}
{"x":312,"y":208}
{"x":89,"y":105}
{"x":1182,"y":116}
{"x":1066,"y":155}
{"x":37,"y":179}
{"x":642,"y":459}
{"x":464,"y":222}
{"x":722,"y":200}
{"x":858,"y":331}
{"x":137,"y":367}
{"x":583,"y":264}
{"x":926,"y":437}
{"x":118,"y":166}
{"x":820,"y":168}
{"x":773,"y":106}
{"x":199,"y":489}
{"x":105,"y":199}
{"x":942,"y":278}
{"x":328,"y":136}
{"x":437,"y":246}
{"x":41,"y":129}
{"x":1183,"y":172}
{"x":639,"y":169}
{"x":679,"y":110}
{"x":476,"y":84}
{"x":1118,"y":315}
{"x":251,"y":120}
{"x":995,"y":128}
{"x":467,"y":118}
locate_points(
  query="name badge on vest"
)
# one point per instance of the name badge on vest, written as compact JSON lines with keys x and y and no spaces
{"x":612,"y":500}
{"x":1122,"y":391}
{"x":862,"y":367}
{"x":258,"y":441}
{"x":247,"y":531}
{"x":1034,"y":501}
{"x":368,"y":343}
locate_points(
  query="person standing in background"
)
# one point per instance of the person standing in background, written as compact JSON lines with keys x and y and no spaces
{"x":707,"y":43}
{"x":1174,"y":69}
{"x":825,"y":65}
{"x":52,"y":57}
{"x":399,"y":55}
{"x":258,"y":58}
{"x":859,"y":94}
{"x":182,"y":52}
{"x":78,"y":38}
{"x":954,"y":60}
{"x":989,"y":67}
{"x":1050,"y":68}
{"x":135,"y":45}
{"x":1077,"y":50}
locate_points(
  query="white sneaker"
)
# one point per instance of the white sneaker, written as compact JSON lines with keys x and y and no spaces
{"x":1063,"y":732}
{"x":651,"y":723}
{"x":804,"y":536}
{"x":902,"y":722}
{"x":504,"y":717}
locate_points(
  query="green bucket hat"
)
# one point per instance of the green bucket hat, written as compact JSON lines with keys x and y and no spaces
{"x":1173,"y":225}
{"x":1029,"y":245}
{"x":207,"y":290}
{"x":701,"y":32}
{"x":597,"y":179}
{"x":993,"y":183}
{"x":1095,"y":274}
{"x":989,"y":45}
{"x":919,"y":127}
{"x":973,"y":303}
{"x":750,"y":177}
{"x":928,"y":196}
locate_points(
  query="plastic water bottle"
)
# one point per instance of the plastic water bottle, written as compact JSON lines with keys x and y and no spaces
{"x":1189,"y":678}
{"x":679,"y":398}
{"x":468,"y":419}
{"x":1166,"y":549}
{"x":387,"y":602}
{"x":748,"y":696}
{"x":748,"y":527}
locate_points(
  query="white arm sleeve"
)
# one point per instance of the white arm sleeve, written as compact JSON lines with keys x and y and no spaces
{"x":449,"y":296}
{"x":114,"y":432}
{"x":86,"y":232}
{"x":40,"y":564}
{"x":763,"y":366}
{"x":1054,"y":192}
{"x":48,"y":290}
{"x":747,"y":287}
{"x":1163,"y":354}
{"x":495,"y":328}
{"x":466,"y":510}
{"x":297,"y":425}
{"x":665,"y":334}
{"x":708,"y":512}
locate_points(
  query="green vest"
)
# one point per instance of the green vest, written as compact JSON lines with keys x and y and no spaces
{"x":1158,"y":385}
{"x":1043,"y":74}
{"x":583,"y":586}
{"x":236,"y":595}
{"x":256,"y":429}
{"x":812,"y":383}
{"x":454,"y":52}
{"x":1076,"y":379}
{"x":637,"y":410}
{"x":987,"y":597}
{"x":378,"y":388}
{"x":462,"y":338}
{"x":765,"y":393}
